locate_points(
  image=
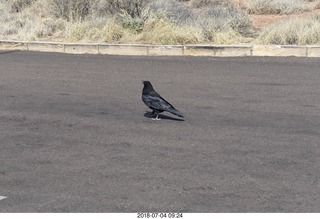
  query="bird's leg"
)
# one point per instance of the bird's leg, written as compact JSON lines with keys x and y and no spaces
{"x":157,"y":118}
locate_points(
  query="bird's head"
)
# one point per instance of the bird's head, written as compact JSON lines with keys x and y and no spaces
{"x":145,"y":82}
{"x":147,"y":86}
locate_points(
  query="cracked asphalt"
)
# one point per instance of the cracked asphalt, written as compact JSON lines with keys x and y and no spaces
{"x":76,"y":137}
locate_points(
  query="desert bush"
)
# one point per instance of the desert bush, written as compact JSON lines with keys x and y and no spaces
{"x":159,"y":31}
{"x":99,"y":8}
{"x":112,"y":32}
{"x":133,"y":7}
{"x":98,"y":30}
{"x":51,"y":28}
{"x":35,"y":29}
{"x":299,"y":31}
{"x":18,"y":5}
{"x":239,"y":21}
{"x":212,"y":22}
{"x":229,"y":37}
{"x":208,"y":3}
{"x":76,"y":31}
{"x":221,"y":19}
{"x":275,"y":6}
{"x":133,"y":24}
{"x":26,"y":26}
{"x":68,"y":9}
{"x":171,"y":10}
{"x":123,"y":21}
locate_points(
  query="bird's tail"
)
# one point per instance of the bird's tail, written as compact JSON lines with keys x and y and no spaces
{"x":176,"y":112}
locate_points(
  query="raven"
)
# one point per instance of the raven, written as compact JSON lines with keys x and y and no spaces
{"x":155,"y":102}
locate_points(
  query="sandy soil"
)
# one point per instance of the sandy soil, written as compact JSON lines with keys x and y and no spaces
{"x":263,"y":21}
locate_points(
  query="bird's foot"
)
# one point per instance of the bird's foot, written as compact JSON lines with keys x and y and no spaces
{"x":156,"y":119}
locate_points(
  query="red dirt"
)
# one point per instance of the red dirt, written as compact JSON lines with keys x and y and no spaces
{"x":263,"y":21}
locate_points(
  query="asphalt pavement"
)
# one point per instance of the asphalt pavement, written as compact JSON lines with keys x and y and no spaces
{"x":76,"y":137}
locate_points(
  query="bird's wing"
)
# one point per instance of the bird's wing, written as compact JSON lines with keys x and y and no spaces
{"x":156,"y":102}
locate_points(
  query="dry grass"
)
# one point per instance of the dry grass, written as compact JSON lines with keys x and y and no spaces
{"x":114,"y":21}
{"x":159,"y":31}
{"x":143,"y":21}
{"x":275,"y":6}
{"x":300,"y":31}
{"x":206,"y":3}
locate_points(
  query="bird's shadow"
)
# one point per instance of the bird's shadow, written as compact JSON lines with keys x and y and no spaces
{"x":161,"y":116}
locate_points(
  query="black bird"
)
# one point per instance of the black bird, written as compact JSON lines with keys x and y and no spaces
{"x":155,"y":102}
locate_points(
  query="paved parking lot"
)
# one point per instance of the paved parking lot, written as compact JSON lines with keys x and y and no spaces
{"x":74,"y":136}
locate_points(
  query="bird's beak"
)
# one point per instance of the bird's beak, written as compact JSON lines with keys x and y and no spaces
{"x":142,"y":81}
